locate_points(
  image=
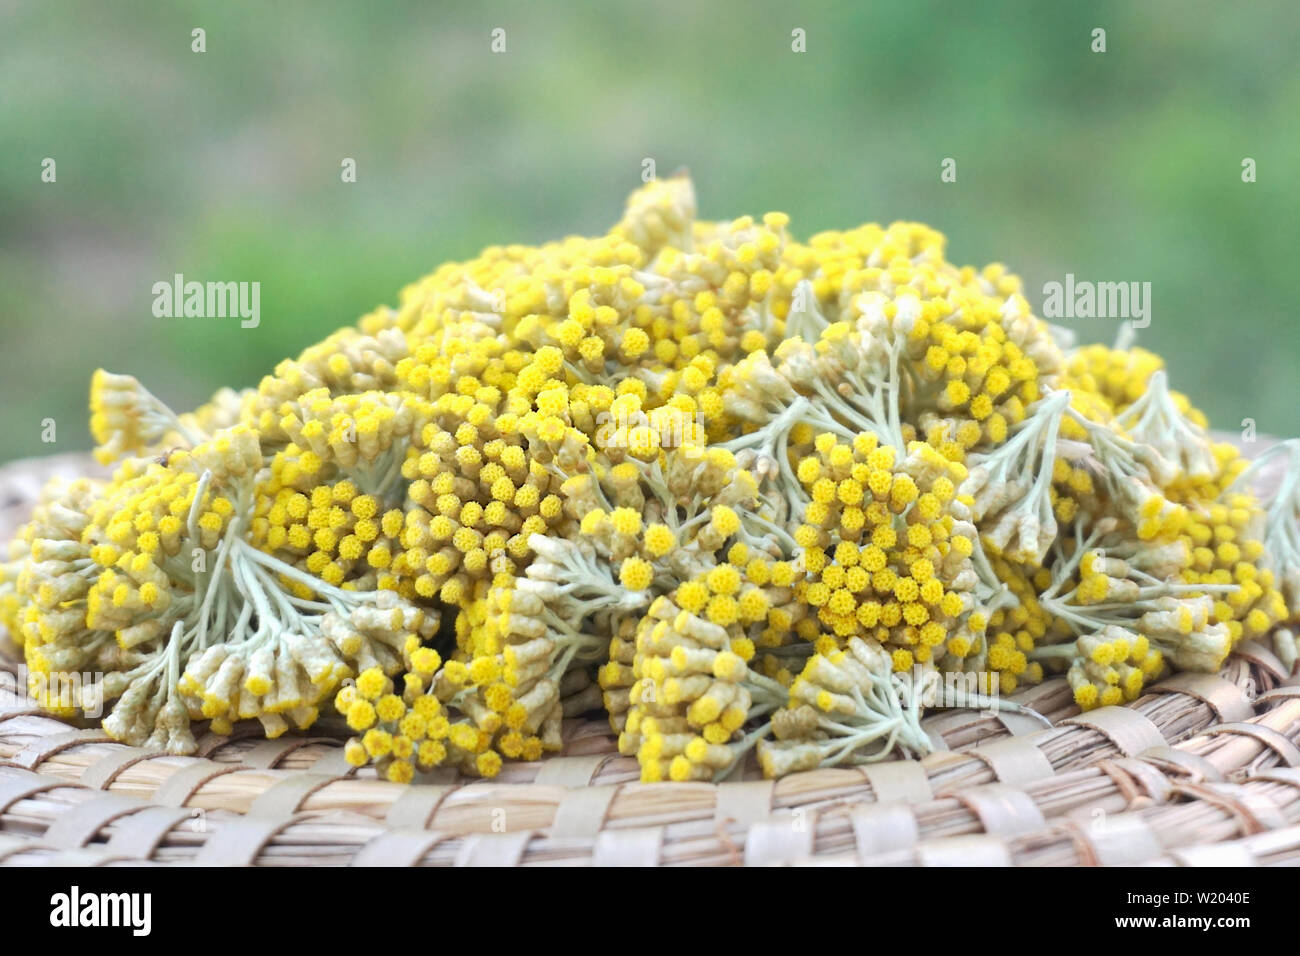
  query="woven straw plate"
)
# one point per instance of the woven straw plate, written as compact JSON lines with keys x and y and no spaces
{"x":1201,"y":770}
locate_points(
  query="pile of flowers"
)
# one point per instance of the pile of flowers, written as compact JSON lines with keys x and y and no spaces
{"x":725,"y":485}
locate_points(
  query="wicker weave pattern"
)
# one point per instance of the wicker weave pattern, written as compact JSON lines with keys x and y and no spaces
{"x":1196,"y":760}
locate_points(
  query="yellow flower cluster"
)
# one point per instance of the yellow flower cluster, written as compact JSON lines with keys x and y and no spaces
{"x":1112,"y":666}
{"x":886,"y":554}
{"x":401,"y":733}
{"x":689,"y":690}
{"x":846,"y":708}
{"x":1165,"y":546}
{"x":1114,"y":378}
{"x":149,"y":585}
{"x":739,"y":490}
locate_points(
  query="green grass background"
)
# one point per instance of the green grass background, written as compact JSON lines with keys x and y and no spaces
{"x":225,"y":165}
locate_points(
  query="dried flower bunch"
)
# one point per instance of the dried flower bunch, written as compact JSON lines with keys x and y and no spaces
{"x":723,"y":484}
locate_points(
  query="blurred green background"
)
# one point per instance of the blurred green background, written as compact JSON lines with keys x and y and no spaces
{"x":225,"y":165}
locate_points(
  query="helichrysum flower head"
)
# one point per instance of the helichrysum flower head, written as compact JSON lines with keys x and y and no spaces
{"x":718,"y":480}
{"x":688,"y":692}
{"x":125,"y":418}
{"x":844,"y":708}
{"x":166,"y":597}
